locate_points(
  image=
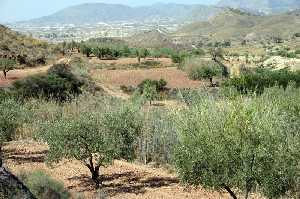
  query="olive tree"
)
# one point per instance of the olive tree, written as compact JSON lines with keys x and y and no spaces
{"x":86,"y":50}
{"x":7,"y":65}
{"x":217,"y":55}
{"x":144,"y":53}
{"x":150,"y":92}
{"x":200,"y":69}
{"x":95,"y":139}
{"x":244,"y":145}
{"x":138,"y":55}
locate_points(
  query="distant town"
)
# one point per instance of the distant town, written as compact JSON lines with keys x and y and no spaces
{"x":67,"y":32}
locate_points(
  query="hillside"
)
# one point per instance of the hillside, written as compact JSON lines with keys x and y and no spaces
{"x":101,"y":12}
{"x":29,"y":51}
{"x":265,"y":6}
{"x":236,"y":25}
{"x":151,"y":39}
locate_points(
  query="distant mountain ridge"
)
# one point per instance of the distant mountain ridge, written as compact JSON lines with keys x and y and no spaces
{"x":101,"y":12}
{"x":236,"y":25}
{"x":265,"y":6}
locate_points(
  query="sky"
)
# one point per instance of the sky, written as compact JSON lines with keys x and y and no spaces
{"x":19,"y":10}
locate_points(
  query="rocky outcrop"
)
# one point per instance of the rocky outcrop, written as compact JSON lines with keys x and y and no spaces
{"x":11,"y":187}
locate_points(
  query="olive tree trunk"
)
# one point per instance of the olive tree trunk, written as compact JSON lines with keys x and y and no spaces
{"x":95,"y":172}
{"x":232,"y":194}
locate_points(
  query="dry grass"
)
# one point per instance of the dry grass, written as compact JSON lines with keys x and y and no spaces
{"x":122,"y":180}
{"x":175,"y":78}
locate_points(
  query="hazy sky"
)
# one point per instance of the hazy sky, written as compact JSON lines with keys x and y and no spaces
{"x":18,"y":10}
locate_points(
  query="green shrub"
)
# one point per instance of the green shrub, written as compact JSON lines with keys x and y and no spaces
{"x":94,"y":138}
{"x":297,"y":52}
{"x":297,"y":34}
{"x":198,"y":69}
{"x":11,"y":117}
{"x":87,"y":50}
{"x":59,"y":84}
{"x":263,"y":78}
{"x":244,"y":145}
{"x":159,"y":85}
{"x":126,"y":124}
{"x":198,"y":52}
{"x":291,"y":55}
{"x":11,"y":113}
{"x":179,"y":57}
{"x":43,"y":186}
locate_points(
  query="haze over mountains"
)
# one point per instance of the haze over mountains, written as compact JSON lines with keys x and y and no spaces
{"x":100,"y":12}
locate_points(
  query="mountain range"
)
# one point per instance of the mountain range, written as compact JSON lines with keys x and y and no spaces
{"x":101,"y":12}
{"x":232,"y":24}
{"x":263,"y":6}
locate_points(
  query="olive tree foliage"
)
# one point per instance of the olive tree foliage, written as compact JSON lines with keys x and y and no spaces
{"x":95,"y":139}
{"x":217,"y":55}
{"x":199,"y":69}
{"x":85,"y":49}
{"x":150,"y":93}
{"x":11,"y":113}
{"x":7,"y":65}
{"x":250,"y":145}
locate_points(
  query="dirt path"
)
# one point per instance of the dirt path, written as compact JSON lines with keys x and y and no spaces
{"x":22,"y":73}
{"x":123,"y":180}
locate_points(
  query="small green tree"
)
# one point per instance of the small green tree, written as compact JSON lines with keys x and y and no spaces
{"x":93,"y":139}
{"x":217,"y":55}
{"x":98,"y":52}
{"x":150,"y":92}
{"x":7,"y":65}
{"x":144,"y":53}
{"x":203,"y":70}
{"x":84,"y":49}
{"x":138,"y":55}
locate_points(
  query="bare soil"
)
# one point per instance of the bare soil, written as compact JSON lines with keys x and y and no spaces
{"x":128,"y":61}
{"x":122,"y":180}
{"x":175,"y":78}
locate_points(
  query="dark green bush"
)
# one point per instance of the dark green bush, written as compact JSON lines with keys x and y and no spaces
{"x":179,"y":57}
{"x":297,"y":52}
{"x":43,"y":186}
{"x":59,"y":84}
{"x":297,"y":34}
{"x":160,"y":85}
{"x":263,"y":78}
{"x":198,"y":69}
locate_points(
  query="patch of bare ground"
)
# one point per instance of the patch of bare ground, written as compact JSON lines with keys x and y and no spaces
{"x":127,"y":61}
{"x":175,"y":78}
{"x":121,"y":181}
